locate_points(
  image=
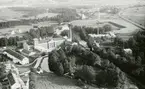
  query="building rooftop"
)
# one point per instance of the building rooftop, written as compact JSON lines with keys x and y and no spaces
{"x":26,"y":51}
{"x":15,"y":54}
{"x":49,"y":39}
{"x":11,"y":79}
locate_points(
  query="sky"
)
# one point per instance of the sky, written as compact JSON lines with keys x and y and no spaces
{"x":65,"y":2}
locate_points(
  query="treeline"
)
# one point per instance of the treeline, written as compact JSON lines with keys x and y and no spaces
{"x":80,"y":63}
{"x":12,"y":41}
{"x":41,"y":32}
{"x":15,"y":23}
{"x":133,"y":64}
{"x":110,"y":9}
{"x":84,"y":31}
{"x":65,"y":14}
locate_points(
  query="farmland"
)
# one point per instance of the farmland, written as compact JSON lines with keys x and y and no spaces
{"x":52,"y":81}
{"x":15,"y":13}
{"x":125,"y":27}
{"x":7,"y":14}
{"x":24,"y":28}
{"x":135,"y":14}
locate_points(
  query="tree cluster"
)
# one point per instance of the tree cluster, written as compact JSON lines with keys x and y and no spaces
{"x":81,"y":63}
{"x":41,"y":32}
{"x":65,"y":14}
{"x":12,"y":41}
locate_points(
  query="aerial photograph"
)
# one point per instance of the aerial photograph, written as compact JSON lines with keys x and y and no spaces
{"x":72,"y":44}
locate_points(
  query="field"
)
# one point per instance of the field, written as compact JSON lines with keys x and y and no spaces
{"x":23,"y":28}
{"x":52,"y":81}
{"x":7,"y":14}
{"x":136,"y":14}
{"x":126,"y":29}
{"x":87,"y":23}
{"x":18,"y":13}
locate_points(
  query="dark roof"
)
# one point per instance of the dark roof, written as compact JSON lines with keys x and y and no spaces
{"x":26,"y":51}
{"x":15,"y":54}
{"x":11,"y":78}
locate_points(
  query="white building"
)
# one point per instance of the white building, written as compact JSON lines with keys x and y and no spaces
{"x":47,"y":45}
{"x":128,"y":51}
{"x":16,"y":31}
{"x":16,"y":57}
{"x":62,"y":28}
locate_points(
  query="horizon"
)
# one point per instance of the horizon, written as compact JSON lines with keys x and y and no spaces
{"x":57,"y":3}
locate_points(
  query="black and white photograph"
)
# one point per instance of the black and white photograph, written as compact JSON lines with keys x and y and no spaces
{"x":72,"y":44}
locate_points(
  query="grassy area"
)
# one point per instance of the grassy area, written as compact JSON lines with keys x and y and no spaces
{"x":6,"y":14}
{"x":52,"y":81}
{"x":87,"y":23}
{"x":24,"y":28}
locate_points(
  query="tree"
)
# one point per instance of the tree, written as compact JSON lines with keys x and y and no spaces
{"x":59,"y":69}
{"x":132,"y":42}
{"x":139,"y":61}
{"x":65,"y":33}
{"x":2,"y":71}
{"x":60,"y":20}
{"x":83,"y":34}
{"x":107,"y":27}
{"x":108,"y":78}
{"x":86,"y":73}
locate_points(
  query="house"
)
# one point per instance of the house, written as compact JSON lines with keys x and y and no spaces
{"x":128,"y":51}
{"x":16,"y":57}
{"x":16,"y":31}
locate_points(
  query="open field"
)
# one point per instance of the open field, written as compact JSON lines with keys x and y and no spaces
{"x":52,"y":81}
{"x":24,"y":28}
{"x":7,"y":14}
{"x":136,"y":14}
{"x":126,"y":31}
{"x":125,"y":27}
